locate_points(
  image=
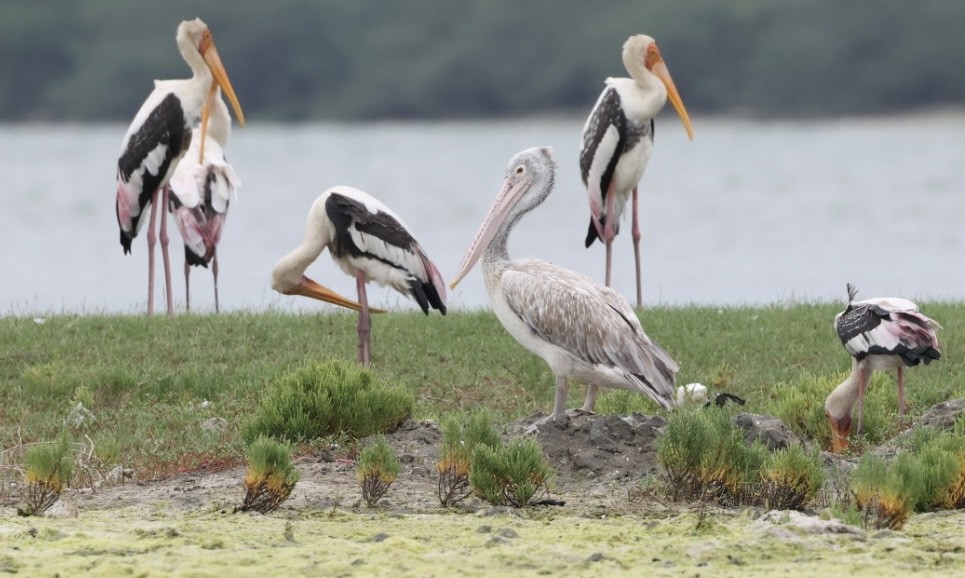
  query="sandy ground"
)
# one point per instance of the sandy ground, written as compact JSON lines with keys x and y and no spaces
{"x":185,"y":526}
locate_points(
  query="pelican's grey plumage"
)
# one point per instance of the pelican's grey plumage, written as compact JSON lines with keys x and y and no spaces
{"x":582,"y":329}
{"x":881,"y":334}
{"x":618,"y":139}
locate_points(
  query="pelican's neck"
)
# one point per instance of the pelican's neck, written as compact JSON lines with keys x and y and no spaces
{"x":498,"y":250}
{"x":841,"y":401}
{"x":291,"y":268}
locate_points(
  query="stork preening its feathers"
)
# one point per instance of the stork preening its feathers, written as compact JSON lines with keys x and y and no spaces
{"x":370,"y":243}
{"x":200,"y":190}
{"x":581,"y":328}
{"x":159,"y":136}
{"x":881,"y":334}
{"x":618,"y":139}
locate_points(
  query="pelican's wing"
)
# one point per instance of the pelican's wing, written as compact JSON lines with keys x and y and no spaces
{"x":592,"y":322}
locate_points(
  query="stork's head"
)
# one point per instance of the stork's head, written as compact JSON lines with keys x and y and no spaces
{"x":640,"y":53}
{"x":194,"y":37}
{"x":288,"y":279}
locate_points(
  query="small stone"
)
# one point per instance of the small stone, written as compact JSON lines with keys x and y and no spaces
{"x":215,"y":424}
{"x":61,"y":509}
{"x":484,"y":529}
{"x":596,"y":557}
{"x":508,"y":533}
{"x":380,"y":537}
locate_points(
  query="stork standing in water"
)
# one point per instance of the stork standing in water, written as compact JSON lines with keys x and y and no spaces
{"x":581,"y":328}
{"x":618,"y":139}
{"x":881,"y":334}
{"x":370,"y":243}
{"x":200,"y":191}
{"x":158,"y":138}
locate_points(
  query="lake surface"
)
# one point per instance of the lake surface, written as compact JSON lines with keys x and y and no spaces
{"x":749,"y":212}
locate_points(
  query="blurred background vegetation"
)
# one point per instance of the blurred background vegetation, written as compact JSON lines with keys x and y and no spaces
{"x":293,"y":60}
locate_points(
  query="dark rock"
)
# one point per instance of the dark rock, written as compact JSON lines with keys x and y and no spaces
{"x":767,"y":429}
{"x":942,"y":415}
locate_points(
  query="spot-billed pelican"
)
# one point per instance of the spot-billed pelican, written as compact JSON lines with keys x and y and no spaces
{"x":581,"y":328}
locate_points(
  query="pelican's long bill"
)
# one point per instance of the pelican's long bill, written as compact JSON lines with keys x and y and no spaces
{"x":506,"y":199}
{"x":210,"y":55}
{"x":309,"y":288}
{"x":657,"y":66}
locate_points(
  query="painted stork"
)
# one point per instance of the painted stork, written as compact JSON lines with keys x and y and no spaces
{"x":370,"y":243}
{"x":881,"y":334}
{"x":158,"y":138}
{"x":581,"y":328}
{"x":618,"y":139}
{"x":200,"y":191}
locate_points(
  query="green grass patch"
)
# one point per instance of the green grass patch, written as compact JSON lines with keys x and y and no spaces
{"x":151,"y":383}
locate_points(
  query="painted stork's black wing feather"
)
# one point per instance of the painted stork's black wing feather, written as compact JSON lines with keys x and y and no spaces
{"x":870,"y":329}
{"x":347,"y":213}
{"x":608,"y":134}
{"x":149,"y":153}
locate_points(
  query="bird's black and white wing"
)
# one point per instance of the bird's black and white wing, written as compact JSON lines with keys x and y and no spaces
{"x":157,"y":138}
{"x":888,"y":327}
{"x":367,"y":230}
{"x":592,"y":322}
{"x":201,"y":191}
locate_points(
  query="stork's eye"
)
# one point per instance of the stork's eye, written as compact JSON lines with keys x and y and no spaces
{"x":520,"y":170}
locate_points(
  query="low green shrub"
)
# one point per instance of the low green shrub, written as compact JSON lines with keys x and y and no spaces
{"x":271,"y":475}
{"x":48,"y":468}
{"x":459,"y":438}
{"x":326,"y":399}
{"x":377,"y":469}
{"x":509,"y":475}
{"x":888,"y":492}
{"x":790,"y":478}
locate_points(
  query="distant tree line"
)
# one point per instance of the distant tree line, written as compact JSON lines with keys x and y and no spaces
{"x":293,"y":60}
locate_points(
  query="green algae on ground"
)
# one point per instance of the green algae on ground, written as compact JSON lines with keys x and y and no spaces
{"x":528,"y":543}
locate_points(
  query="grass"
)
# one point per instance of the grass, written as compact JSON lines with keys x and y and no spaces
{"x":151,"y":383}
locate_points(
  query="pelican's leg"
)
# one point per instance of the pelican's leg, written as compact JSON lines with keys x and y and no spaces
{"x":901,"y":391}
{"x":163,"y":237}
{"x":592,"y":392}
{"x":609,"y":231}
{"x":187,"y":285}
{"x":636,"y":247}
{"x":364,"y":321}
{"x":151,"y":241}
{"x":214,"y":271}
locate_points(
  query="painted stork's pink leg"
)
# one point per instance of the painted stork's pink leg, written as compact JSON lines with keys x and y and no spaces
{"x":151,"y":242}
{"x":636,"y":247}
{"x":364,"y":322}
{"x":214,"y":271}
{"x":609,"y":231}
{"x":863,"y":377}
{"x":187,"y":285}
{"x":164,"y":250}
{"x":901,"y":391}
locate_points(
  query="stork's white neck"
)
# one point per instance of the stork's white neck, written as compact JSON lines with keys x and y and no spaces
{"x":840,"y":402}
{"x":290,"y":269}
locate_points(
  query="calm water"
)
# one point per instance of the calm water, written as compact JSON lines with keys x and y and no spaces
{"x":748,"y":212}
